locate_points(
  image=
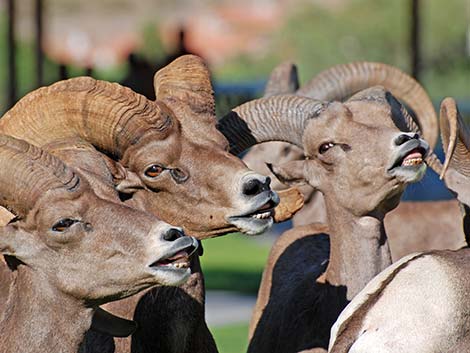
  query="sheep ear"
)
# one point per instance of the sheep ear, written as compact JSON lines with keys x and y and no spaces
{"x":17,"y":243}
{"x":130,"y":184}
{"x":290,"y":173}
{"x":125,"y":181}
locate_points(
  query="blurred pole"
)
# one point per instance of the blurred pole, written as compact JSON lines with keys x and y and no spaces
{"x":39,"y":42}
{"x":89,"y":71}
{"x":11,"y":54}
{"x":415,"y":40}
{"x":63,"y":73}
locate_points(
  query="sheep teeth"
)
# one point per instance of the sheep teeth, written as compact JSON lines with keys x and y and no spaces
{"x":263,"y":215}
{"x":180,"y":265}
{"x":412,"y":161}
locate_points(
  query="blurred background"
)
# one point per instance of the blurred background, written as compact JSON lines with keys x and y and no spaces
{"x":127,"y":41}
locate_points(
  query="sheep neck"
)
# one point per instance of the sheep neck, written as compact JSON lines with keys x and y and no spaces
{"x":358,"y":248}
{"x":38,"y":318}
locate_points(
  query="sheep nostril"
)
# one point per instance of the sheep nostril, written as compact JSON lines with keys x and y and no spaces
{"x":267,"y":183}
{"x":173,"y":234}
{"x":252,"y":187}
{"x":255,"y":186}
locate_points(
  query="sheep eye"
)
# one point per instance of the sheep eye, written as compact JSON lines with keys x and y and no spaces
{"x":325,"y":147}
{"x":154,"y":171}
{"x":63,"y":224}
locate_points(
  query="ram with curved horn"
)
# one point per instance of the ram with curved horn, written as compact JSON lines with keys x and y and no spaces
{"x":164,"y":146}
{"x":69,"y":251}
{"x":338,"y":83}
{"x":360,"y":154}
{"x":420,"y":303}
{"x":165,"y":157}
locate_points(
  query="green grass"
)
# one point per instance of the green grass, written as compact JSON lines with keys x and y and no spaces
{"x":232,"y":338}
{"x":234,"y":262}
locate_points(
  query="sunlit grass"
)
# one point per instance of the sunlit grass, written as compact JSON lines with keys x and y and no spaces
{"x":234,"y":262}
{"x":231,"y":338}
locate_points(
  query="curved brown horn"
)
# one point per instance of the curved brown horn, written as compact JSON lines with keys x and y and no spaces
{"x":105,"y":114}
{"x":187,"y":79}
{"x":455,"y":138}
{"x":287,"y":116}
{"x":341,"y":81}
{"x":283,"y":80}
{"x":28,"y":172}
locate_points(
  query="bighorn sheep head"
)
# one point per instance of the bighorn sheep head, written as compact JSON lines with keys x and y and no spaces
{"x":62,"y":227}
{"x":171,"y":159}
{"x":332,"y":135}
{"x":338,"y":83}
{"x":341,"y":81}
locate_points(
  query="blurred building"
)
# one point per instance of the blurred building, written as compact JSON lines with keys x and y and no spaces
{"x":103,"y":33}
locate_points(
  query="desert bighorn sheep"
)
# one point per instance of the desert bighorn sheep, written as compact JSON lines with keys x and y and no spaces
{"x":165,"y":146}
{"x":421,"y":303}
{"x":70,"y":251}
{"x":167,"y":159}
{"x":429,"y":231}
{"x":360,"y":158}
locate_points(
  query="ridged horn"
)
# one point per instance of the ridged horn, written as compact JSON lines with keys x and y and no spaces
{"x":284,"y":79}
{"x":108,"y":115}
{"x":342,"y":81}
{"x":455,"y":138}
{"x":27,"y":172}
{"x":187,"y":79}
{"x":278,"y":118}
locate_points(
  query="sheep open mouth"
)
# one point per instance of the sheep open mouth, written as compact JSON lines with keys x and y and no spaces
{"x":412,"y":158}
{"x":258,"y":218}
{"x":180,"y":260}
{"x":264,"y":212}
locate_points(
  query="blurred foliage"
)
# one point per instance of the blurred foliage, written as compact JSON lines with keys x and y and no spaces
{"x":26,"y":69}
{"x":231,"y":338}
{"x":234,"y":262}
{"x":317,"y":37}
{"x":446,"y":63}
{"x":153,"y":49}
